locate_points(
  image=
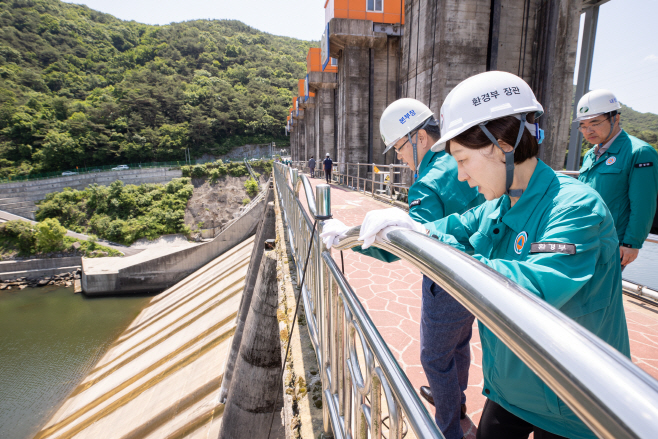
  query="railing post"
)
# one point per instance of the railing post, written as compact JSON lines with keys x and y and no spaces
{"x":373,"y":180}
{"x":323,"y":209}
{"x":358,"y":176}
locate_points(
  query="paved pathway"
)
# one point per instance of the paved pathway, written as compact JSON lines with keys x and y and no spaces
{"x":391,"y":293}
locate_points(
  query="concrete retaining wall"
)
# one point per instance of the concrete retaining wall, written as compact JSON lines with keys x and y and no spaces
{"x":20,"y":198}
{"x":34,"y":268}
{"x":39,"y":264}
{"x":162,"y":272}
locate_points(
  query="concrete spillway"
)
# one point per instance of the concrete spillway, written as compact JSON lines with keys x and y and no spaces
{"x":161,"y":378}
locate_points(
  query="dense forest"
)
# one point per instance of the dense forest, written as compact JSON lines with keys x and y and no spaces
{"x":83,"y":88}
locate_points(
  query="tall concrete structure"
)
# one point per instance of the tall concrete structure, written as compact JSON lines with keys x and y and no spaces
{"x":448,"y":41}
{"x":322,"y":82}
{"x":366,"y":43}
{"x":306,"y":101}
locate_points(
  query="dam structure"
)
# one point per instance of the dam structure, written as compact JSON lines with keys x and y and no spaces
{"x":162,"y":375}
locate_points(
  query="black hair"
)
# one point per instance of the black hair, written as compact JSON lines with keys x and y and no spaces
{"x":506,"y":129}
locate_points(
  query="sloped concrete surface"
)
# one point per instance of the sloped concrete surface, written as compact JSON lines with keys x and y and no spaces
{"x":161,"y":377}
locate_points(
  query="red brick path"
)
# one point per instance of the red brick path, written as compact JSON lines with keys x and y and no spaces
{"x":391,"y":293}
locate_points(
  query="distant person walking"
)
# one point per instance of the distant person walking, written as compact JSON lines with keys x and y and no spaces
{"x":621,"y":168}
{"x":328,"y":166}
{"x":311,"y":166}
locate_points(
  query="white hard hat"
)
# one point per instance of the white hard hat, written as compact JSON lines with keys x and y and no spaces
{"x":400,"y":118}
{"x":596,"y":103}
{"x":327,"y":155}
{"x":484,"y":97}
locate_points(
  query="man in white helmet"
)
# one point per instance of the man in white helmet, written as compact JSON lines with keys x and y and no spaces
{"x":408,"y":126}
{"x":620,"y":167}
{"x":549,"y":233}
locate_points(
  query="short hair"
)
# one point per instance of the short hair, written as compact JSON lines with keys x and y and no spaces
{"x":433,"y":131}
{"x":507,"y":129}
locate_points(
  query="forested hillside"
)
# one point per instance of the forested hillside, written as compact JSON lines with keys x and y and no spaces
{"x":641,"y":125}
{"x":82,"y":88}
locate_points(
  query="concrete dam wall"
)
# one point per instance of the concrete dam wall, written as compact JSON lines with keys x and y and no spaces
{"x":161,"y":377}
{"x":20,"y":198}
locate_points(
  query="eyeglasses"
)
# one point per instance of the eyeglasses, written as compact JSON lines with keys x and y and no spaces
{"x":397,"y":150}
{"x":593,"y":126}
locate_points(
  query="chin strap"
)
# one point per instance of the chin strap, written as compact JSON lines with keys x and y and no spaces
{"x":429,"y":121}
{"x":509,"y":156}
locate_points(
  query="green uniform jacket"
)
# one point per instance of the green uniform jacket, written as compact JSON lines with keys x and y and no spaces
{"x":626,"y":176}
{"x":436,"y":193}
{"x":585,"y":286}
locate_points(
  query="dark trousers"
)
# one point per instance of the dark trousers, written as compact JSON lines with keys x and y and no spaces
{"x":327,"y":175}
{"x":498,"y":423}
{"x":312,"y":172}
{"x":445,"y":353}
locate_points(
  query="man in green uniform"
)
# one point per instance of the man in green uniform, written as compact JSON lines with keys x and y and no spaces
{"x":621,"y":168}
{"x":409,"y":127}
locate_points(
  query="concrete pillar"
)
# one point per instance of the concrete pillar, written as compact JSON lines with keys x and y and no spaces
{"x":300,"y":127}
{"x":367,"y":79}
{"x":446,"y":42}
{"x":266,"y":230}
{"x":323,"y":85}
{"x":443,"y":43}
{"x":309,"y":128}
{"x":253,"y":389}
{"x":556,"y":40}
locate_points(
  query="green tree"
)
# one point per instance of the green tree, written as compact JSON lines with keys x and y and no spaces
{"x":50,"y":235}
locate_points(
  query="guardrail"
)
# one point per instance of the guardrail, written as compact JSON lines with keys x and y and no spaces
{"x":387,"y":181}
{"x":615,"y":398}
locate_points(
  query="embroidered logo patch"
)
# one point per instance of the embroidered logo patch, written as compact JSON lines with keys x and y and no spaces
{"x":414,"y":203}
{"x":519,"y":242}
{"x":610,"y":160}
{"x":644,"y":165}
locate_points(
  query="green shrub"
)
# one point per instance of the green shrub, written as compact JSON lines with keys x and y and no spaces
{"x":21,"y":232}
{"x":251,"y":186}
{"x":199,"y":171}
{"x":122,"y":213}
{"x":214,"y":175}
{"x":237,"y":170}
{"x":50,"y":235}
{"x":245,"y":201}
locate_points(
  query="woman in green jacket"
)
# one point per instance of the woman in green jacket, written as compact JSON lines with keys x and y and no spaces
{"x":549,"y":233}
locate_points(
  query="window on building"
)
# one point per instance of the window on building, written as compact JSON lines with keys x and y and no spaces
{"x":334,"y":62}
{"x":375,"y":6}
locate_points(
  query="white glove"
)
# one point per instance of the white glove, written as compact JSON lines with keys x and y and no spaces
{"x":332,"y":231}
{"x":377,"y":220}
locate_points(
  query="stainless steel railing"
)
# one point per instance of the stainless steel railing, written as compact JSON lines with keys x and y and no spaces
{"x":386,"y":181}
{"x":615,"y":398}
{"x":362,"y":382}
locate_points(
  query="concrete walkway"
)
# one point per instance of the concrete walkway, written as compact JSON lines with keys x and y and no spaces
{"x":127,"y":251}
{"x":391,"y":293}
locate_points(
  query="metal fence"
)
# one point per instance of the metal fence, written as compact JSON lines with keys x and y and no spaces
{"x":387,"y":181}
{"x":615,"y":398}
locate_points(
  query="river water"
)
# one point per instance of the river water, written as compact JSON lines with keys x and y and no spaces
{"x":50,"y":338}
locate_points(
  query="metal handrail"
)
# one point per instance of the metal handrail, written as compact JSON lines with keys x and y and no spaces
{"x":614,"y":397}
{"x":351,"y":399}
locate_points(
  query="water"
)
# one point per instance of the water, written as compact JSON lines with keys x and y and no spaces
{"x":50,"y":339}
{"x":644,"y":270}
